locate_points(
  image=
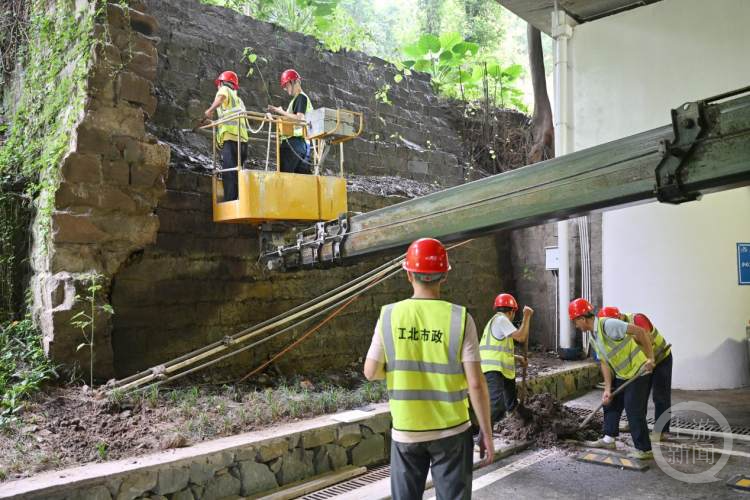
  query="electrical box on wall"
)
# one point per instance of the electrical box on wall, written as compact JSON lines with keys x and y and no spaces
{"x":551,"y":258}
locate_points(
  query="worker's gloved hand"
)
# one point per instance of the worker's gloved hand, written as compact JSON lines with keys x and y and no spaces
{"x":523,"y":362}
{"x":208,"y":114}
{"x":527,"y":311}
{"x":486,"y":448}
{"x":606,"y":397}
{"x":275,"y":109}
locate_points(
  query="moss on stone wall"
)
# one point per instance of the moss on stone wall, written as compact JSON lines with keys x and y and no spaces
{"x":53,"y":70}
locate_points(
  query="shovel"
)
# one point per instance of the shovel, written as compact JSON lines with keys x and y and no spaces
{"x":617,"y":391}
{"x":524,"y":412}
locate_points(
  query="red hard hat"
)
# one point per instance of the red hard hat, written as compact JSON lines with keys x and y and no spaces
{"x":609,"y":312}
{"x":506,"y":300}
{"x":427,"y":255}
{"x":228,"y":76}
{"x":288,"y":75}
{"x":579,"y":307}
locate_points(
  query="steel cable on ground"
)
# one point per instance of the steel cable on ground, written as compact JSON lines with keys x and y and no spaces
{"x":386,"y":274}
{"x":263,"y":324}
{"x":219,"y":346}
{"x":264,"y":339}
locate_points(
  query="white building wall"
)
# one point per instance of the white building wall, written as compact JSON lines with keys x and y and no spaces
{"x":677,"y":264}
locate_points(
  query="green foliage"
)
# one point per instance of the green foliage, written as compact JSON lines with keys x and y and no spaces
{"x":56,"y":62}
{"x":326,"y":20}
{"x":23,"y":367}
{"x":457,"y":71}
{"x":15,"y":217}
{"x":85,"y":319}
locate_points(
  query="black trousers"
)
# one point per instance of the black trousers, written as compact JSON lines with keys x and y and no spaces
{"x":229,"y":160}
{"x":503,"y":395}
{"x":449,"y":458}
{"x":661,"y":387}
{"x":294,"y":156}
{"x":634,"y":400}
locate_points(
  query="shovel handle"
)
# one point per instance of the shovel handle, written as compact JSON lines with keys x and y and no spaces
{"x":615,"y":393}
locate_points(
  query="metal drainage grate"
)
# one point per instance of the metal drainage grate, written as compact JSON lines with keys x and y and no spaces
{"x":676,"y":422}
{"x":371,"y":476}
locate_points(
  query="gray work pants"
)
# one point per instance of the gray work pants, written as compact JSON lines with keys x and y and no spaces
{"x":449,"y":458}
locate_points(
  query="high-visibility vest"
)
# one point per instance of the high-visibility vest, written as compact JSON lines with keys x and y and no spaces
{"x":624,"y":356}
{"x":229,"y":131}
{"x":298,"y":130}
{"x":427,"y":386}
{"x":661,"y":348}
{"x":497,"y":355}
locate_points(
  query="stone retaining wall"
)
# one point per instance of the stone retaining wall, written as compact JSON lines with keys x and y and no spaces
{"x":255,"y":462}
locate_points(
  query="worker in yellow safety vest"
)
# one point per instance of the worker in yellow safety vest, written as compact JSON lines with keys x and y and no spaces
{"x":428,"y":352}
{"x":625,"y":352}
{"x":295,"y":151}
{"x":231,"y":136}
{"x":498,"y":355}
{"x":661,"y":378}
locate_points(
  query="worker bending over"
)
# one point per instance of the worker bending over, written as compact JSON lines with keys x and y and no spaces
{"x":498,"y":356}
{"x":428,"y":352}
{"x":233,"y":155}
{"x":625,"y":351}
{"x":661,"y":377}
{"x":294,"y":149}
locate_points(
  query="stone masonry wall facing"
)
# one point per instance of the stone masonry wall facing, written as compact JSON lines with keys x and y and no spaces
{"x":200,"y":280}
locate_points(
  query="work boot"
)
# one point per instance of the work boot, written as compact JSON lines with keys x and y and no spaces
{"x":601,"y":443}
{"x":641,"y":455}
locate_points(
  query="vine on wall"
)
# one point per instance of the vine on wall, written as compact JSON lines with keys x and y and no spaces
{"x":55,"y":63}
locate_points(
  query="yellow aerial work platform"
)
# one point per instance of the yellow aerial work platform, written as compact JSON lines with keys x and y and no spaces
{"x":272,"y":195}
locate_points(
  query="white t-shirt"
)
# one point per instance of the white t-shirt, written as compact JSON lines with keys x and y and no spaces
{"x":501,"y":327}
{"x":613,"y":328}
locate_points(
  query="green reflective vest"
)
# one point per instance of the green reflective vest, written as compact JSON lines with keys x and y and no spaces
{"x":624,"y":356}
{"x":661,"y":349}
{"x":298,"y":131}
{"x":427,"y":387}
{"x":497,"y":355}
{"x":229,"y":131}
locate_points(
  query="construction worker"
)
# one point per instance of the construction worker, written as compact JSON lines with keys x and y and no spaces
{"x":428,"y":352}
{"x":227,"y":103}
{"x":498,"y":356}
{"x":294,"y":149}
{"x":625,"y":352}
{"x":661,"y":377}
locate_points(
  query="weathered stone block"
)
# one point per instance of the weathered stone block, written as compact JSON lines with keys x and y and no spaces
{"x":82,"y":168}
{"x":321,"y":460}
{"x":369,"y":451}
{"x":296,"y":465}
{"x":143,"y":175}
{"x":317,"y":437}
{"x":221,"y":486}
{"x":121,"y":120}
{"x":185,"y":494}
{"x":337,"y":456}
{"x":380,"y":424}
{"x":256,"y":478}
{"x":136,"y":484}
{"x":116,"y":173}
{"x":143,"y":64}
{"x":274,"y":448}
{"x":69,"y":228}
{"x":202,"y":472}
{"x":348,"y":435}
{"x":136,"y":89}
{"x":172,"y":480}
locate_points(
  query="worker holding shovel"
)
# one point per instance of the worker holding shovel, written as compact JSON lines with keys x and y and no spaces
{"x":498,"y":355}
{"x":661,"y":378}
{"x":626,"y":351}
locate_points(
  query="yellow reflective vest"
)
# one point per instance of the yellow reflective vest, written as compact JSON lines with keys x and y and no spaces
{"x":427,"y":387}
{"x":497,"y":355}
{"x":624,"y":356}
{"x":298,"y":131}
{"x":229,"y":131}
{"x":661,"y":348}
